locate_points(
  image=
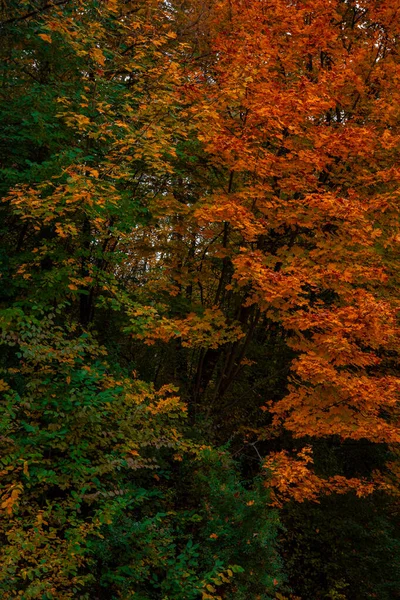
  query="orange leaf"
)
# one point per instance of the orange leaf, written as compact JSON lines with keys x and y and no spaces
{"x":45,"y":37}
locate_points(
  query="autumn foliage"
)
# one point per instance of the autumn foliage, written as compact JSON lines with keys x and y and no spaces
{"x":199,"y":297}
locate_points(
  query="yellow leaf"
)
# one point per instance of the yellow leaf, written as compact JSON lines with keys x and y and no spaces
{"x":3,"y":386}
{"x":98,"y":56}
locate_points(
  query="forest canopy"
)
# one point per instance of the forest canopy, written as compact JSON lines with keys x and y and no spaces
{"x":199,"y":292}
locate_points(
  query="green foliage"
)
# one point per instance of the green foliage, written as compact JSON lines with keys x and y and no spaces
{"x":204,"y":534}
{"x":102,"y":494}
{"x":345,"y":547}
{"x":72,"y":436}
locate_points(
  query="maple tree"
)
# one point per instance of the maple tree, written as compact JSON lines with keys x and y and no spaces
{"x":297,"y":127}
{"x":199,"y":257}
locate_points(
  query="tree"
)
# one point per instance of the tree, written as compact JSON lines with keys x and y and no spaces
{"x":298,"y":116}
{"x":90,"y":452}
